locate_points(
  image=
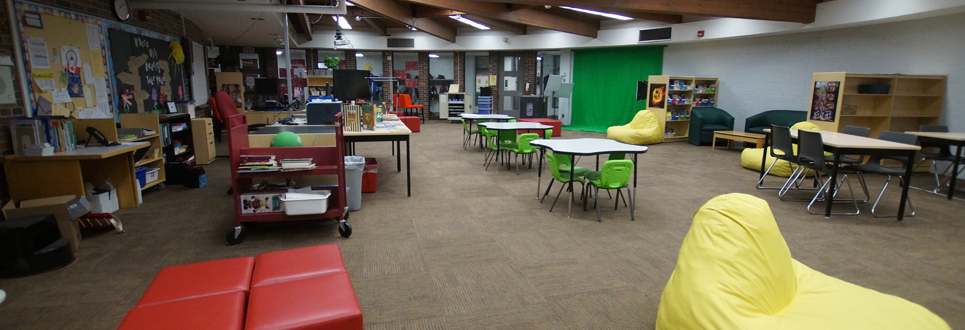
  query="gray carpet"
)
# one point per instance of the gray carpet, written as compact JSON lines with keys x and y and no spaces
{"x":474,"y":249}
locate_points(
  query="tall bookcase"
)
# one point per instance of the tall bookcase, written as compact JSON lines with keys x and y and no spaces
{"x":907,"y":102}
{"x":681,"y":95}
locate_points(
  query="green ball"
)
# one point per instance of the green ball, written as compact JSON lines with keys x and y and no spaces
{"x":286,"y":139}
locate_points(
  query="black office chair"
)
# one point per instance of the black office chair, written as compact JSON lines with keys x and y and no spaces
{"x":874,"y":166}
{"x":935,"y":153}
{"x":781,"y":149}
{"x":811,"y":156}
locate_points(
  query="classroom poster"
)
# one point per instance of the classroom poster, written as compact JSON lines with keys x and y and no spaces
{"x":146,"y":75}
{"x":824,"y":101}
{"x":658,"y":96}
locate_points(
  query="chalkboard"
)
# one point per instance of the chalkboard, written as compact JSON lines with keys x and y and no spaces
{"x":146,"y":76}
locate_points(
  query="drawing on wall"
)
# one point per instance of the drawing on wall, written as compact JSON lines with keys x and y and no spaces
{"x":234,"y":91}
{"x":824,"y":102}
{"x":658,"y":96}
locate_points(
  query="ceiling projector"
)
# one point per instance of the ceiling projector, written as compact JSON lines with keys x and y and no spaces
{"x":341,"y":41}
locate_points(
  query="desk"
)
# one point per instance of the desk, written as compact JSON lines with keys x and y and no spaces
{"x":758,"y":139}
{"x":587,"y":147}
{"x":399,"y":134}
{"x":64,"y":173}
{"x":512,"y":127}
{"x":841,"y":144}
{"x":952,"y":139}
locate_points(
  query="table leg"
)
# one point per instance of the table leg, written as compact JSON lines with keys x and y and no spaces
{"x":498,"y":152}
{"x":398,"y":155}
{"x":767,"y":137}
{"x":958,"y":159}
{"x":904,"y":189}
{"x":713,"y":142}
{"x":408,"y":167}
{"x":569,"y":208}
{"x":633,"y":204}
{"x":597,"y":163}
{"x":832,"y":185}
{"x":539,"y":170}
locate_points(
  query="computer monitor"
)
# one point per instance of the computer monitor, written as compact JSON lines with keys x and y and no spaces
{"x":323,"y":113}
{"x":266,"y":86}
{"x":351,"y":85}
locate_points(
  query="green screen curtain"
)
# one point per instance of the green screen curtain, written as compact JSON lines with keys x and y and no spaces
{"x":605,"y":85}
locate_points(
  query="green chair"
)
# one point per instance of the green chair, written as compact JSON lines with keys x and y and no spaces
{"x":548,"y":134}
{"x":524,"y":148}
{"x":566,"y":161}
{"x":505,"y":142}
{"x":511,"y":121}
{"x":467,"y":134}
{"x":561,"y":175}
{"x":615,"y":175}
{"x":594,"y":175}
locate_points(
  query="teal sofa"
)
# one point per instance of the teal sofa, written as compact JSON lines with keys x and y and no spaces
{"x":787,"y":118}
{"x":705,"y":121}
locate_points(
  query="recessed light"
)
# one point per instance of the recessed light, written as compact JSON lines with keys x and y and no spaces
{"x":278,"y":52}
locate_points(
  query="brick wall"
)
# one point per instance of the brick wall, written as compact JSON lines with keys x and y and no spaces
{"x":529,"y":70}
{"x":349,"y":61}
{"x":386,"y":72}
{"x":494,"y":70}
{"x":8,"y":111}
{"x":459,"y":66}
{"x":424,"y":83}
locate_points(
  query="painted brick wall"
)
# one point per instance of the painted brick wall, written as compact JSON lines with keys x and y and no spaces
{"x":529,"y":70}
{"x":349,"y":61}
{"x":386,"y":72}
{"x":424,"y":83}
{"x":459,"y":66}
{"x":494,"y":70}
{"x":8,"y":110}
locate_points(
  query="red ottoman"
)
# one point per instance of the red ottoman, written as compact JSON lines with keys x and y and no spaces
{"x":397,"y":113}
{"x":198,"y":280}
{"x":319,"y":302}
{"x":224,"y":311}
{"x":411,"y":121}
{"x":557,"y":126}
{"x":282,"y":266}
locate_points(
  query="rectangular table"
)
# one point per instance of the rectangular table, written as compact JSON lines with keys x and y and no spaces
{"x":846,"y":144}
{"x":495,"y":126}
{"x":386,"y":135}
{"x":757,"y":139}
{"x":64,"y":173}
{"x":951,"y":139}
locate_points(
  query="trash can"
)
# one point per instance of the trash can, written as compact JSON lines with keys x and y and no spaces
{"x":369,"y":175}
{"x":353,"y":180}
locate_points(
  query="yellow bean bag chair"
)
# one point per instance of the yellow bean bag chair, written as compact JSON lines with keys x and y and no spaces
{"x":735,"y":271}
{"x":751,"y":158}
{"x":643,"y":129}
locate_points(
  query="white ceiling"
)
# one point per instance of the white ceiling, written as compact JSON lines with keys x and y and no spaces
{"x":235,"y":27}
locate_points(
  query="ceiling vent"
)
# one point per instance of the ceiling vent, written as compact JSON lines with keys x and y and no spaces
{"x":655,"y":34}
{"x":401,"y":42}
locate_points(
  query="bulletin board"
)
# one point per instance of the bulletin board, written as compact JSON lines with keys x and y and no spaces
{"x":146,"y":75}
{"x":64,"y":67}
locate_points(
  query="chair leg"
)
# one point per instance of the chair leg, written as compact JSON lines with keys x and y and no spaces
{"x":829,"y":194}
{"x":557,"y":197}
{"x":760,"y":183}
{"x":599,"y":214}
{"x":547,"y":191}
{"x":873,"y":207}
{"x":616,"y":202}
{"x":517,"y":164}
{"x":628,"y":196}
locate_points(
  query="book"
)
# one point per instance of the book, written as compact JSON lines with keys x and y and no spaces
{"x":351,"y":117}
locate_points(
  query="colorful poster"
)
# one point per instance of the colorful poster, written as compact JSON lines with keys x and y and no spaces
{"x":411,"y":66}
{"x":71,"y":59}
{"x":248,"y":61}
{"x":658,"y":96}
{"x":39,"y":58}
{"x":399,"y":74}
{"x":824,"y":101}
{"x":74,"y":85}
{"x":412,"y":83}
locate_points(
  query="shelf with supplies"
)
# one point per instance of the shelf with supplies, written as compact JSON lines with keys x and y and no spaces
{"x":682,"y":95}
{"x":453,"y":104}
{"x":154,"y":157}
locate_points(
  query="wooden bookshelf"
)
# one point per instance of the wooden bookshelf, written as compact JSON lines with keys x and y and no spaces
{"x":676,"y":116}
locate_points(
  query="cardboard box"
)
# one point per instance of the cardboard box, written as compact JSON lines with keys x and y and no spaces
{"x":104,"y":202}
{"x":66,"y":209}
{"x":263,"y":202}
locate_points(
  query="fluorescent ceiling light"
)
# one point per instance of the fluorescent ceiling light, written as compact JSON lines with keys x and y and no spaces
{"x":469,"y":22}
{"x":341,"y":22}
{"x":600,"y":13}
{"x":347,"y":3}
{"x":434,"y":55}
{"x":413,"y":28}
{"x":278,"y":52}
{"x":359,"y":55}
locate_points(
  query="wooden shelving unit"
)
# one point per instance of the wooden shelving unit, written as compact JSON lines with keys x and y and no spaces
{"x":318,"y":82}
{"x":154,"y":157}
{"x":911,"y":101}
{"x":693,"y":92}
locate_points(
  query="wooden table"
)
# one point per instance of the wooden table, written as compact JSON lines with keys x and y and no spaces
{"x":951,"y":139}
{"x":846,"y":144}
{"x":731,"y":136}
{"x":587,"y":147}
{"x":64,"y":173}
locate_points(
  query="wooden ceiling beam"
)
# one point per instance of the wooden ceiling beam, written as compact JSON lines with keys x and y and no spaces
{"x":302,"y":24}
{"x":375,"y":24}
{"x":799,"y":11}
{"x":526,"y":16}
{"x":665,"y":18}
{"x":498,"y":25}
{"x":402,"y":13}
{"x":426,"y":12}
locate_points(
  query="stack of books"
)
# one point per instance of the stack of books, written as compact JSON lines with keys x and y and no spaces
{"x":256,"y":163}
{"x":57,"y":131}
{"x":297,"y":164}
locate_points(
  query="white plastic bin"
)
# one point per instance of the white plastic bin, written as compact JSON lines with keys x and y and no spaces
{"x":315,"y":202}
{"x":152,"y":175}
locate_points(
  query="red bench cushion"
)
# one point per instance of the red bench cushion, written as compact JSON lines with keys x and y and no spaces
{"x":319,"y":302}
{"x":412,"y":122}
{"x":557,"y":125}
{"x":287,"y":265}
{"x":215,"y":312}
{"x":198,"y":280}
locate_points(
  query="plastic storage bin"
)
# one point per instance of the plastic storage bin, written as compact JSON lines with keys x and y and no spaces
{"x":315,"y":202}
{"x":369,"y":175}
{"x":353,"y":180}
{"x":141,"y":174}
{"x":152,"y":175}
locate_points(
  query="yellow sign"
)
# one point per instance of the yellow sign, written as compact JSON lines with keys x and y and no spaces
{"x":43,"y":75}
{"x":493,"y":80}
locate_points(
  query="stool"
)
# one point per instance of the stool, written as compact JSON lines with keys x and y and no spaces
{"x":287,"y":265}
{"x":32,"y":245}
{"x":412,"y":122}
{"x":557,"y":125}
{"x":198,"y":280}
{"x":319,"y":302}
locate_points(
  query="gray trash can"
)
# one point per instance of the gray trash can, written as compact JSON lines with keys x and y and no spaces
{"x":353,"y":180}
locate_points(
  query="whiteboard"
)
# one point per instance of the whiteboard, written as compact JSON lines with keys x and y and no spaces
{"x":199,"y":82}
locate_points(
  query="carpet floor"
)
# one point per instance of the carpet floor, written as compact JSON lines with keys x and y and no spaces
{"x":475,"y":249}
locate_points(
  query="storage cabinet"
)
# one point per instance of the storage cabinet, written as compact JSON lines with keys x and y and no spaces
{"x":451,"y":105}
{"x":153,"y":160}
{"x":675,"y":97}
{"x":202,"y":133}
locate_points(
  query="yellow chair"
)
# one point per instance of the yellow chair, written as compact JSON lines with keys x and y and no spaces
{"x":751,"y":158}
{"x":643,"y":129}
{"x":735,"y":271}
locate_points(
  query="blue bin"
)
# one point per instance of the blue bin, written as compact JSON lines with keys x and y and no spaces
{"x":141,"y":174}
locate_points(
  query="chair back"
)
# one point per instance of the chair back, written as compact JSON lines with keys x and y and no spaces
{"x":405,"y":100}
{"x":395,"y":101}
{"x":464,"y":127}
{"x":554,"y":166}
{"x":897,"y":138}
{"x":522,"y":143}
{"x":811,"y":150}
{"x":616,"y":173}
{"x":943,"y":150}
{"x":547,"y":134}
{"x":781,"y":141}
{"x":857,"y":131}
{"x":226,"y":106}
{"x":511,"y":121}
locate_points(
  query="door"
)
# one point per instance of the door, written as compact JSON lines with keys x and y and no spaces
{"x":510,"y":84}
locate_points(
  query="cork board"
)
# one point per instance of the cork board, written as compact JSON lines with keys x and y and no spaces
{"x":146,"y":76}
